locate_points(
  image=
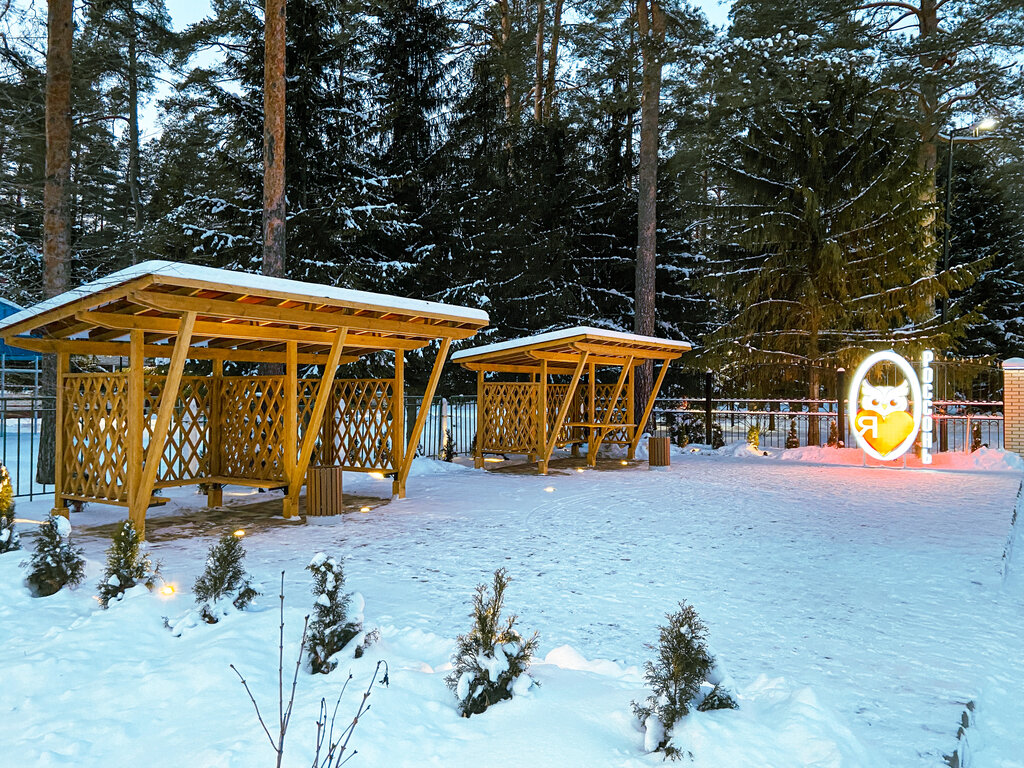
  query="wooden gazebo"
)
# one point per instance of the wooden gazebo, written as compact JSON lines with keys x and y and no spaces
{"x":545,"y":411}
{"x":119,"y":437}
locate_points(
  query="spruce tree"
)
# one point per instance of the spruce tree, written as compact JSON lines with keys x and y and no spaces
{"x":224,"y":580}
{"x":792,"y":439}
{"x":9,"y":538}
{"x":330,"y":629}
{"x":127,"y":565}
{"x":55,"y":562}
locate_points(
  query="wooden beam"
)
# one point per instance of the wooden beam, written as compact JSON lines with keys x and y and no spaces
{"x":215,"y":492}
{"x":563,"y":409}
{"x":642,"y":424}
{"x":631,"y":411}
{"x":599,"y":434}
{"x":625,"y":350}
{"x":478,"y":451}
{"x":570,"y":357}
{"x":553,"y":370}
{"x":291,"y":502}
{"x":59,"y":502}
{"x":168,"y":397}
{"x":167,"y":302}
{"x":421,"y":416}
{"x":398,"y":417}
{"x":290,"y":430}
{"x":136,"y":414}
{"x":542,"y":416}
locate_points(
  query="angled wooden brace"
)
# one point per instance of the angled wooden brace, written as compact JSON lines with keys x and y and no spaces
{"x":601,"y":432}
{"x":563,"y":409}
{"x":421,"y":417}
{"x":639,"y":429}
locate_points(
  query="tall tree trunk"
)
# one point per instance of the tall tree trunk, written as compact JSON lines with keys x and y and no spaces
{"x":651,"y":26}
{"x":813,"y":385}
{"x":133,"y":126}
{"x":506,"y":35}
{"x":927,"y":150}
{"x":556,"y":33}
{"x":273,"y":149}
{"x":56,"y":243}
{"x":538,"y":77}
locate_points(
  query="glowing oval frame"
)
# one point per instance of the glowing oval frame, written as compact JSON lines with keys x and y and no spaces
{"x":854,"y":401}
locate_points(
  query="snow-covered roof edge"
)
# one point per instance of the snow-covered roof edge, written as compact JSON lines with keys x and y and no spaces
{"x":230,"y":279}
{"x":1013,"y":364}
{"x":568,"y":333}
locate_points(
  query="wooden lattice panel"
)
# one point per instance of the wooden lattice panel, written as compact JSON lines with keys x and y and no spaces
{"x":358,"y":429}
{"x":252,"y":414}
{"x":95,"y":424}
{"x":186,"y":453}
{"x":556,"y":394}
{"x":510,"y":417}
{"x":602,"y":398}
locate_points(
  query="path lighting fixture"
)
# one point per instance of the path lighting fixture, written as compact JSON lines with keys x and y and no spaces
{"x":239,"y":533}
{"x":377,"y":475}
{"x":624,"y":463}
{"x":579,"y":469}
{"x":364,"y":509}
{"x":550,"y":489}
{"x":167,"y":590}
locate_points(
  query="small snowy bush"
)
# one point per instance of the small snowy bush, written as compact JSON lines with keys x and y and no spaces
{"x":489,"y":659}
{"x":976,"y":437}
{"x":9,"y":539}
{"x":55,"y":563}
{"x":224,"y":580}
{"x":792,"y":439}
{"x":330,"y":630}
{"x":833,"y":434}
{"x":754,"y":436}
{"x":683,"y":678}
{"x":127,"y":565}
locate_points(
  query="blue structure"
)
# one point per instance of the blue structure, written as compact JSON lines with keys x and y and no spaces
{"x":8,"y":308}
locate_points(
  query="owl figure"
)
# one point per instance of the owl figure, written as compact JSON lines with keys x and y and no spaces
{"x":884,"y":400}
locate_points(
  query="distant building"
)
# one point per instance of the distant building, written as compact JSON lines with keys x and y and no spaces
{"x":8,"y":308}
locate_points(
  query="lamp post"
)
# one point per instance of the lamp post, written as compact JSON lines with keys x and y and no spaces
{"x":986,"y":124}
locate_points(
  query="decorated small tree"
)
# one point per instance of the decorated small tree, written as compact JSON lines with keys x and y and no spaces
{"x":792,"y":439}
{"x":55,"y":563}
{"x":9,"y":539}
{"x":331,"y":629}
{"x":682,"y":678}
{"x":127,"y":565}
{"x":224,"y":581}
{"x":493,"y":655}
{"x":976,"y":437}
{"x":754,"y":436}
{"x":833,"y":434}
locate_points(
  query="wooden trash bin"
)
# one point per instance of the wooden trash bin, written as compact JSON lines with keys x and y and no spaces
{"x":658,"y":452}
{"x":323,"y":491}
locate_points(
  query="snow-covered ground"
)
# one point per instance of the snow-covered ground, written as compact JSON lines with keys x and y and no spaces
{"x":857,"y":609}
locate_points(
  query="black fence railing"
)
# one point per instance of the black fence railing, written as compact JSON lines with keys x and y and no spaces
{"x":21,"y":418}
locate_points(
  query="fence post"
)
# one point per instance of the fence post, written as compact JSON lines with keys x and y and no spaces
{"x":1013,"y":405}
{"x":841,"y":406}
{"x":707,"y":407}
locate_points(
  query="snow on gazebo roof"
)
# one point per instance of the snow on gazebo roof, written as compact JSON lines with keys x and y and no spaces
{"x":251,"y":315}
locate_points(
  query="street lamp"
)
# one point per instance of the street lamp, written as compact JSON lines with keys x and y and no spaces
{"x":986,"y":124}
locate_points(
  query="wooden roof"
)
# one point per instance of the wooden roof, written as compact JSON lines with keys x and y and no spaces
{"x":562,"y":350}
{"x":240,"y":316}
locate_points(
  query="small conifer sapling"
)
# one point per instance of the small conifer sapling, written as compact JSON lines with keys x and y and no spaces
{"x":754,"y":436}
{"x":493,"y":655}
{"x":9,"y":539}
{"x":127,"y":565}
{"x":792,"y":439}
{"x":330,"y":629}
{"x":224,"y":580}
{"x":833,"y":434}
{"x":55,"y":563}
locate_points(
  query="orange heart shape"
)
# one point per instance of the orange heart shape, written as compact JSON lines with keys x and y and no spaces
{"x":883,"y":433}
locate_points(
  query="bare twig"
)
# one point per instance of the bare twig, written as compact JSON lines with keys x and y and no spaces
{"x":337,"y":749}
{"x":255,"y":706}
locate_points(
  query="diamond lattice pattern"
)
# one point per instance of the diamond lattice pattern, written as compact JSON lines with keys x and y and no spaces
{"x":510,"y":417}
{"x":186,"y":453}
{"x":94,"y":428}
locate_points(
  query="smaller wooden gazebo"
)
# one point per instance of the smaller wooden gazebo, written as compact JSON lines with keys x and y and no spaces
{"x":121,"y":435}
{"x":545,"y":412}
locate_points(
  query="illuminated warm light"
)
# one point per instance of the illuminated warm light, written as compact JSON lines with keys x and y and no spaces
{"x":550,"y":489}
{"x":167,"y":590}
{"x":579,"y":469}
{"x":364,"y":509}
{"x":624,"y":463}
{"x":377,"y":475}
{"x":988,"y":124}
{"x":239,"y":533}
{"x":493,"y":460}
{"x":26,"y":520}
{"x":882,"y":424}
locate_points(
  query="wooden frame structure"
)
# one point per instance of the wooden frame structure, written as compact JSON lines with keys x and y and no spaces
{"x":544,"y":411}
{"x":119,"y":436}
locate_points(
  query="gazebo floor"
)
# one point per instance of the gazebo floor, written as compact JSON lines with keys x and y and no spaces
{"x":203,"y":521}
{"x":564,"y":466}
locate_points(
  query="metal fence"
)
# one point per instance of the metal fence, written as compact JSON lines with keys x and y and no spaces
{"x":21,"y":419}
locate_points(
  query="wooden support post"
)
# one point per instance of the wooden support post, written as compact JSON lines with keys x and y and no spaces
{"x":421,"y":416}
{"x":631,"y":412}
{"x":291,"y":504}
{"x":155,"y":450}
{"x":602,"y":431}
{"x":59,"y":503}
{"x":136,"y":412}
{"x":542,"y":417}
{"x":478,"y":451}
{"x":290,"y":430}
{"x":591,"y":415}
{"x":398,"y":418}
{"x":215,"y":491}
{"x":649,"y":407}
{"x":563,"y":409}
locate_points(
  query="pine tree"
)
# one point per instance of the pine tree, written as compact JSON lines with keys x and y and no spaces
{"x":224,"y":580}
{"x":792,"y":439}
{"x":55,"y":562}
{"x":331,"y":629}
{"x":683,"y":678}
{"x":833,"y":434}
{"x":9,"y":538}
{"x":493,"y":655}
{"x":127,"y":565}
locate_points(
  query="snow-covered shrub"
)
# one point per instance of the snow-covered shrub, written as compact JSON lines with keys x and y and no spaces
{"x":689,"y":428}
{"x":224,"y":580}
{"x":492,"y":656}
{"x":792,"y":439}
{"x":9,"y":539}
{"x":127,"y":565}
{"x":331,"y":629}
{"x":754,"y":435}
{"x":683,"y":678}
{"x":55,"y":563}
{"x":833,"y":434}
{"x":976,"y":436}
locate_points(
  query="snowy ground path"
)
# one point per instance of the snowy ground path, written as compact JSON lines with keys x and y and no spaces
{"x":880,"y":591}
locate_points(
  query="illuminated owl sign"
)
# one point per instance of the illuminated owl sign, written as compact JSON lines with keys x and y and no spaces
{"x":887,"y":417}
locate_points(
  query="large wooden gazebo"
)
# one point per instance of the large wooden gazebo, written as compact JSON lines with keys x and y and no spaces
{"x":119,"y":436}
{"x":543,"y":412}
